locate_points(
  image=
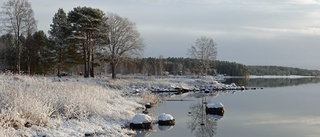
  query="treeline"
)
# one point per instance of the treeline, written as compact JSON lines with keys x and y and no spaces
{"x":179,"y":66}
{"x":272,"y":82}
{"x":280,"y":70}
{"x":188,"y":66}
{"x":84,"y":35}
{"x":36,"y":56}
{"x":231,"y":68}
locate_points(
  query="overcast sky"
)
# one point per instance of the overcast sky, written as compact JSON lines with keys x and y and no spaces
{"x":251,"y":32}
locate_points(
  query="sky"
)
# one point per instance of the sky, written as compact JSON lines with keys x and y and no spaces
{"x":250,"y":32}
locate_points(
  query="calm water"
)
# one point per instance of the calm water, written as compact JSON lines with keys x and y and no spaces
{"x":283,"y":108}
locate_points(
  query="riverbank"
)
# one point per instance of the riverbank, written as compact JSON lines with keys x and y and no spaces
{"x":42,"y":106}
{"x":74,"y":106}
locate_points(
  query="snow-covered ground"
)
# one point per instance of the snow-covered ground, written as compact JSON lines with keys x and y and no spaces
{"x":276,"y":76}
{"x":59,"y":107}
{"x":42,"y":106}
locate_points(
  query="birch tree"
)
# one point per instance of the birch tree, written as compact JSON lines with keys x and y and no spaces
{"x":123,"y":41}
{"x":18,"y":19}
{"x":205,"y":51}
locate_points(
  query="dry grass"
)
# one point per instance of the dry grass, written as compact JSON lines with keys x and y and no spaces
{"x":40,"y":101}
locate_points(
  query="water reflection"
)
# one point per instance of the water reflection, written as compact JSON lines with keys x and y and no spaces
{"x":271,"y":82}
{"x":288,"y":111}
{"x":201,"y":124}
{"x":143,"y":133}
{"x":146,"y":133}
{"x":164,"y":128}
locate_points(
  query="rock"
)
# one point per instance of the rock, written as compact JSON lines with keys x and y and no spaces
{"x":166,"y":119}
{"x":215,"y":109}
{"x":28,"y":124}
{"x":141,"y":121}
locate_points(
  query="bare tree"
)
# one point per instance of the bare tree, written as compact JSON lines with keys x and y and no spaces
{"x":204,"y":50}
{"x":123,"y":41}
{"x":18,"y":19}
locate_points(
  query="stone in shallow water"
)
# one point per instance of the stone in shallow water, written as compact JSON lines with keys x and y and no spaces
{"x":141,"y":121}
{"x":215,"y":109}
{"x":165,"y":119}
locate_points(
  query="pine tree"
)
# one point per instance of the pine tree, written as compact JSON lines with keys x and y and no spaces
{"x":85,"y":23}
{"x":59,"y":31}
{"x":40,"y":43}
{"x":7,"y":52}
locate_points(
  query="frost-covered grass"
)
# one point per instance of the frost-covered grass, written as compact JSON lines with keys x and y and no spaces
{"x":41,"y":106}
{"x":58,"y":107}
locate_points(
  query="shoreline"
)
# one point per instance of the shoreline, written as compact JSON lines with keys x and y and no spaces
{"x":51,"y":106}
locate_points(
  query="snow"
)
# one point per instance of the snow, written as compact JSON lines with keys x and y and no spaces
{"x":75,"y":106}
{"x":165,"y":117}
{"x":63,"y":107}
{"x":276,"y":76}
{"x":215,"y":105}
{"x":141,"y":118}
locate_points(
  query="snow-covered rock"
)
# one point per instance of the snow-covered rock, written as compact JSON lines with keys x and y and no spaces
{"x":165,"y":117}
{"x":215,"y":109}
{"x":215,"y":105}
{"x":215,"y":83}
{"x":141,"y":121}
{"x":148,"y":105}
{"x":141,"y":118}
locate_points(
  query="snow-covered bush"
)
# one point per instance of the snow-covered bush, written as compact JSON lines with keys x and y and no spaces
{"x":31,"y":105}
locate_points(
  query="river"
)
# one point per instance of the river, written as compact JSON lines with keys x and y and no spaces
{"x":277,"y":108}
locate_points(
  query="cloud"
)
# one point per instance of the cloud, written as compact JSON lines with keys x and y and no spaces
{"x":275,"y":26}
{"x":232,"y":1}
{"x":304,"y":2}
{"x":285,"y":31}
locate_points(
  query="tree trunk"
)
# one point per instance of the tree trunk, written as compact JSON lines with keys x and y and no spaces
{"x":113,"y":70}
{"x":89,"y":60}
{"x":59,"y":65}
{"x":85,"y":73}
{"x":92,"y":64}
{"x":19,"y":52}
{"x":29,"y":65}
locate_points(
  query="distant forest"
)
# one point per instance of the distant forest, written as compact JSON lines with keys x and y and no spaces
{"x":179,"y":66}
{"x":187,"y":66}
{"x":280,"y":70}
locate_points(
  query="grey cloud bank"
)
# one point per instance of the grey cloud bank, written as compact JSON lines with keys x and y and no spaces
{"x":252,"y":32}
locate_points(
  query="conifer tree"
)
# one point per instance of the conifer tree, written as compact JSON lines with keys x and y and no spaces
{"x":85,"y":23}
{"x":18,"y":19}
{"x":59,"y":31}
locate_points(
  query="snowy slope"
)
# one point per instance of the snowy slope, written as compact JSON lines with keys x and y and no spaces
{"x":40,"y":106}
{"x":59,"y":107}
